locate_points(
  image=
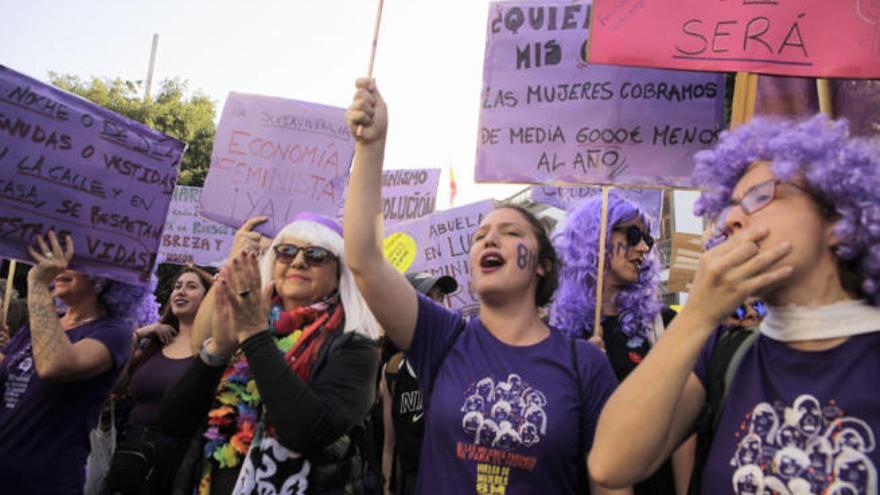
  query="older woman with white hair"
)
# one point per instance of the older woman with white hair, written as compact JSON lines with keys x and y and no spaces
{"x":287,"y":372}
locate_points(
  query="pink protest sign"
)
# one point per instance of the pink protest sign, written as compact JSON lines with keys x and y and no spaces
{"x":440,"y":243}
{"x":276,"y":157}
{"x":191,"y":238}
{"x":71,"y":166}
{"x":549,"y":117}
{"x":817,"y":38}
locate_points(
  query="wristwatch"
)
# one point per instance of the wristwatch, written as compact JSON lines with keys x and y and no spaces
{"x":211,"y":359}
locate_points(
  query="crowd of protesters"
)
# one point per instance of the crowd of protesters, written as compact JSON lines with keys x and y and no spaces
{"x":266,"y":377}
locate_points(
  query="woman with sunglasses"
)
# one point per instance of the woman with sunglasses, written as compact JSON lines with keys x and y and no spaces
{"x":510,"y":403}
{"x":797,"y":209}
{"x":632,"y":316}
{"x":287,"y":373}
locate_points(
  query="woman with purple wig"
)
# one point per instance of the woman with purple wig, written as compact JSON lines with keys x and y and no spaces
{"x":57,"y":371}
{"x":797,"y":213}
{"x":511,"y":405}
{"x":632,"y":316}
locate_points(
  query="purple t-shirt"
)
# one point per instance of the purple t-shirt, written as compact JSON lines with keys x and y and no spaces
{"x":798,"y":422}
{"x":501,"y":418}
{"x":44,"y":426}
{"x":148,"y":386}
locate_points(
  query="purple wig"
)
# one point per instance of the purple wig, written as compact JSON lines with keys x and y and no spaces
{"x":578,"y":247}
{"x":133,"y":304}
{"x":843,"y":173}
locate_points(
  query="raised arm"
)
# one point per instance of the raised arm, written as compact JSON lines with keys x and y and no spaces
{"x":55,"y":357}
{"x":664,"y":382}
{"x":390,"y":297}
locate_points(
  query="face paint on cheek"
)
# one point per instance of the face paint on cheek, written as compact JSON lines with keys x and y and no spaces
{"x":621,"y":249}
{"x":525,"y":258}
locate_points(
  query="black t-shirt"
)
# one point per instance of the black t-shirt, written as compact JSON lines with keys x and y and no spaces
{"x":408,"y":417}
{"x":623,"y":360}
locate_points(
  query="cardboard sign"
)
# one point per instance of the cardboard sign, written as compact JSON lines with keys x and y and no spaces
{"x":686,"y":252}
{"x":442,"y":246}
{"x":548,"y":117}
{"x":191,"y":238}
{"x":567,"y":198}
{"x":818,"y":38}
{"x":276,"y":157}
{"x":73,"y":167}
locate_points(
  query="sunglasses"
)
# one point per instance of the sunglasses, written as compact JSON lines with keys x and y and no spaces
{"x":635,"y":235}
{"x":758,"y":306}
{"x":314,"y":255}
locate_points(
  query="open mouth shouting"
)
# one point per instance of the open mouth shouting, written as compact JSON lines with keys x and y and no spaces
{"x":491,"y":260}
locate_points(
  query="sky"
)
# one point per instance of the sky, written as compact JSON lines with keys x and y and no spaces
{"x":428,"y":66}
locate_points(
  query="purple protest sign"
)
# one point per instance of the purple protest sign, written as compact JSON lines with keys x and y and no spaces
{"x":566,"y":198}
{"x":407,"y":194}
{"x":191,"y":238}
{"x":71,"y":166}
{"x":856,"y":100}
{"x":548,"y":117}
{"x":276,"y":157}
{"x":440,"y":243}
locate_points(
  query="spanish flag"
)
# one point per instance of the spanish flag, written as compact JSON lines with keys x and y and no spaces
{"x":453,"y":187}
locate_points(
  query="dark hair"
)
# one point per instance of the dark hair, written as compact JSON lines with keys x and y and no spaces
{"x":147,"y":348}
{"x":546,"y":255}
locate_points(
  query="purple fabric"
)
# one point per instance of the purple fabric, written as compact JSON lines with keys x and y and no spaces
{"x":44,"y":426}
{"x":69,"y":165}
{"x":148,"y":386}
{"x":548,"y":117}
{"x":500,"y":418}
{"x":307,"y":216}
{"x":798,"y":422}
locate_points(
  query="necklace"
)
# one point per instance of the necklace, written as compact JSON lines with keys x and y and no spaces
{"x":81,"y":321}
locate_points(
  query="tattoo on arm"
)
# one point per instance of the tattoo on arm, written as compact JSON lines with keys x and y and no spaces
{"x":50,"y":344}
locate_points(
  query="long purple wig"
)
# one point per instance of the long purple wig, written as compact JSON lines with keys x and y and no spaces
{"x":843,"y":173}
{"x":578,"y":248}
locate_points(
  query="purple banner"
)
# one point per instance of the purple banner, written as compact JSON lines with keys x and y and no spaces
{"x":191,"y":238}
{"x":407,"y":194}
{"x":276,"y":157}
{"x":856,"y":100}
{"x":566,"y":198}
{"x":547,"y":116}
{"x":73,"y":167}
{"x":440,"y":243}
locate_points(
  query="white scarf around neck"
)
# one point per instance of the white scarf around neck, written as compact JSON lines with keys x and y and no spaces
{"x":798,"y":323}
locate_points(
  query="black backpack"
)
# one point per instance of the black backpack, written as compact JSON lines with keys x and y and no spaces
{"x":730,"y":348}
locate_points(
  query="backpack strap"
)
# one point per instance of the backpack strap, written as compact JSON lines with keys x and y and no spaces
{"x":582,"y":480}
{"x":436,"y":369}
{"x":730,"y":348}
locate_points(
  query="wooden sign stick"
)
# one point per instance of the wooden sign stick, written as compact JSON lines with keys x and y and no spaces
{"x":824,"y":89}
{"x":600,"y":271}
{"x":7,"y":297}
{"x":745,"y":91}
{"x":360,"y":128}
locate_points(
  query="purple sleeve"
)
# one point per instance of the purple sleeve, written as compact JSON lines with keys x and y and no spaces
{"x":701,"y":369}
{"x":435,"y":326}
{"x":597,"y":384}
{"x":116,"y":336}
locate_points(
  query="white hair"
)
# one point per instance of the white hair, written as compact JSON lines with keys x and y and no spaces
{"x":358,"y":317}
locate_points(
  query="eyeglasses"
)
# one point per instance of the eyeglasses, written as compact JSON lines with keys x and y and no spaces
{"x":314,"y":255}
{"x":635,"y":235}
{"x":756,"y":198}
{"x":758,"y":306}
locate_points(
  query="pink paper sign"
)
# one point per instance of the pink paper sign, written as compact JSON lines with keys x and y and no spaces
{"x":817,"y":38}
{"x":276,"y":157}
